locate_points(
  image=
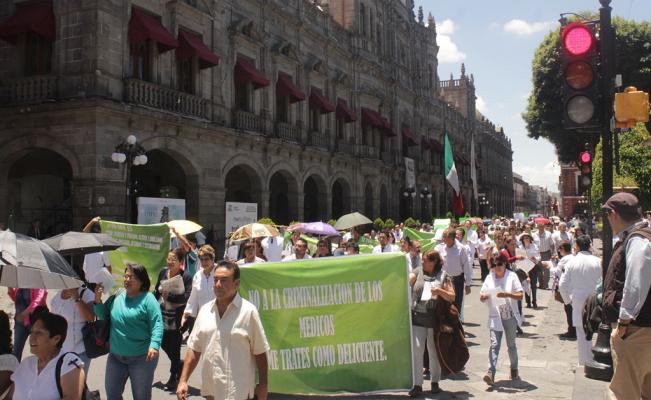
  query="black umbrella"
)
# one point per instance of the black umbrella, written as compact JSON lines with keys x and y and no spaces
{"x":26,"y":262}
{"x":81,"y":243}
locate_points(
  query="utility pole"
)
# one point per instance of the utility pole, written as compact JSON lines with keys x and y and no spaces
{"x":602,"y":366}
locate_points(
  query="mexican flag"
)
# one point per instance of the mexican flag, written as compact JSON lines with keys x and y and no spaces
{"x":450,"y":168}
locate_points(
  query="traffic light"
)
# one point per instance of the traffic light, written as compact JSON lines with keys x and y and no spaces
{"x":585,"y":168}
{"x":631,"y":107}
{"x":580,"y":61}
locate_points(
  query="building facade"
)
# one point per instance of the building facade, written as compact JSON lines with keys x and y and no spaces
{"x":309,"y":110}
{"x":572,"y":202}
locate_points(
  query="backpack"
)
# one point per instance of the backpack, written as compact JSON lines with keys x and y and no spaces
{"x":86,"y":394}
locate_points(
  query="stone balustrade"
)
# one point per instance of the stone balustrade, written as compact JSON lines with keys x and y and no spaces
{"x":369,"y":152}
{"x":321,"y":140}
{"x":288,"y":132}
{"x":345,"y":147}
{"x":247,"y":121}
{"x":31,"y":89}
{"x":157,"y":96}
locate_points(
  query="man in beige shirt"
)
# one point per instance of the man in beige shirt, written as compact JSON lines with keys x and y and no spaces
{"x":229,"y":334}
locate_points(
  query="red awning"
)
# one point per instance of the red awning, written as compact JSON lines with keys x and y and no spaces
{"x":191,"y":44}
{"x":343,"y":112}
{"x":144,"y":27}
{"x":34,"y":16}
{"x":245,"y":72}
{"x":425,"y":142}
{"x":409,"y":136}
{"x":373,"y":118}
{"x":388,"y":128}
{"x":435,"y":145}
{"x":286,"y":87}
{"x":318,"y":101}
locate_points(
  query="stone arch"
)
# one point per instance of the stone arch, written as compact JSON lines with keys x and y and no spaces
{"x":341,"y":197}
{"x":283,"y":196}
{"x":242,"y":183}
{"x":384,"y":202}
{"x":315,"y":198}
{"x":52,"y":179}
{"x":369,"y":200}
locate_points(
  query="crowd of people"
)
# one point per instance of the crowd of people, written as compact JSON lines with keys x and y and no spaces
{"x":145,"y":319}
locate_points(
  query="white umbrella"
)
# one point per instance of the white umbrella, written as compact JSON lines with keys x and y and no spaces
{"x":254,"y":230}
{"x":351,"y":220}
{"x":28,"y":263}
{"x":184,"y":226}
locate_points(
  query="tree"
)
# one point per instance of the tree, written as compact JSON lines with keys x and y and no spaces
{"x":544,"y":110}
{"x":635,"y":167}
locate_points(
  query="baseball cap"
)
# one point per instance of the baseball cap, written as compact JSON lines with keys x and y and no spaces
{"x":624,"y":204}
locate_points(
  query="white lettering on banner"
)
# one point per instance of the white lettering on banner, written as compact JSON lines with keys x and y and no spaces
{"x":317,"y":325}
{"x":124,"y":235}
{"x":361,"y":352}
{"x":316,"y":296}
{"x":296,"y":358}
{"x":327,"y":355}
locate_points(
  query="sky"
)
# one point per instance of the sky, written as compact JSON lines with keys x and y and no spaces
{"x":496,"y":40}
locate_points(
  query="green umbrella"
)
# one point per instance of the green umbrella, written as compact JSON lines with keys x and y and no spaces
{"x":351,"y":220}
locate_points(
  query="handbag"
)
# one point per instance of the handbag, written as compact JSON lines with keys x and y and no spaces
{"x":96,"y":334}
{"x":86,"y":394}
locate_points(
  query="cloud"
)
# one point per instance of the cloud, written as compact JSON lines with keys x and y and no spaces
{"x":481,"y":106}
{"x":524,"y":28}
{"x":448,"y":50}
{"x":540,"y":175}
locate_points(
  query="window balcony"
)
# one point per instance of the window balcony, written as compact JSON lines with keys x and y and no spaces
{"x":247,"y":121}
{"x":369,"y":152}
{"x":33,"y":89}
{"x":288,"y":132}
{"x":345,"y":147}
{"x":320,"y":140}
{"x":157,"y":96}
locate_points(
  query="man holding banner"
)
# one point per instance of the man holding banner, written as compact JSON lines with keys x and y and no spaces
{"x":230,"y":335}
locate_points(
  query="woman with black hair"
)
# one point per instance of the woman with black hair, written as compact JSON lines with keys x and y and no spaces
{"x":37,"y":378}
{"x":323,"y":249}
{"x":8,"y":362}
{"x":135,"y":336}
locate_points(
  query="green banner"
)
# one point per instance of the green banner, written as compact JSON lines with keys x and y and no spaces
{"x":334,"y":324}
{"x":147,"y":245}
{"x":427,"y":239}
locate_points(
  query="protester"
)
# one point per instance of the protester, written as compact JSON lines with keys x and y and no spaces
{"x":94,"y":263}
{"x":484,"y":244}
{"x":249,"y":255}
{"x":460,"y":239}
{"x":432,"y":276}
{"x":8,"y":362}
{"x":202,"y":284}
{"x":455,"y":263}
{"x":190,"y":258}
{"x":531,"y":251}
{"x":509,"y":251}
{"x":35,"y":377}
{"x":565,"y":254}
{"x":582,"y":273}
{"x":545,"y":244}
{"x":291,"y":243}
{"x":352,"y":248}
{"x":626,"y":300}
{"x":502,"y":290}
{"x":135,"y":336}
{"x":172,"y":306}
{"x":229,"y":335}
{"x":300,"y":251}
{"x":562,"y":235}
{"x":76,"y":306}
{"x":385,"y":246}
{"x":26,"y":301}
{"x":323,"y":249}
{"x":272,"y":248}
{"x":472,"y":237}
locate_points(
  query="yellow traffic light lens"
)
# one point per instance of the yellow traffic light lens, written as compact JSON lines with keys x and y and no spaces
{"x":580,"y":109}
{"x":579,"y":75}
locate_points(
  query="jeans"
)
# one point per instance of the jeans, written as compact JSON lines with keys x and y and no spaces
{"x":172,"y":346}
{"x":422,"y":336}
{"x":137,"y":368}
{"x":510,"y":326}
{"x":21,"y":333}
{"x":483,"y":264}
{"x":459,"y":282}
{"x":533,"y":274}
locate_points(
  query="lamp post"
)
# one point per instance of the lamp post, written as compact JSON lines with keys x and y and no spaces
{"x":130,"y":153}
{"x":483,"y":202}
{"x":410,"y":193}
{"x":426,"y":196}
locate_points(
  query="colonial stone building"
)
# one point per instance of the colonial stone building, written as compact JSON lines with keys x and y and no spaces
{"x":308,"y":110}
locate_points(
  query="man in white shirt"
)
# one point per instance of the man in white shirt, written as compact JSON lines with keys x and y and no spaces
{"x":484,"y":243}
{"x":455,"y":263}
{"x":300,"y":251}
{"x":471,"y":239}
{"x":545,"y":244}
{"x":562,"y":235}
{"x":273,"y":248}
{"x":384,"y":246}
{"x":202,"y":287}
{"x":229,"y":333}
{"x":580,"y":279}
{"x":249,"y":255}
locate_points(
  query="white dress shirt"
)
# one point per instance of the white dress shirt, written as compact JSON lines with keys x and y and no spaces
{"x":638,"y":277}
{"x":544,"y":241}
{"x":455,"y":260}
{"x":582,"y":273}
{"x":202,"y":291}
{"x":558,"y":237}
{"x":389,"y":248}
{"x":292,"y":257}
{"x":483,"y":246}
{"x":273,"y":248}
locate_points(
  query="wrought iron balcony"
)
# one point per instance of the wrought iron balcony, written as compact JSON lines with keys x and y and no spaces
{"x":157,"y":96}
{"x":33,"y":89}
{"x":247,"y":121}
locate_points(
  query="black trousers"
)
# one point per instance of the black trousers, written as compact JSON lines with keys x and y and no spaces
{"x":568,"y":317}
{"x":483,"y":264}
{"x":533,"y":275}
{"x":171,"y":345}
{"x":459,"y":283}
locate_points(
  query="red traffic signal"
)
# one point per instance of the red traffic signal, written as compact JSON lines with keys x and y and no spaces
{"x":585,"y":157}
{"x":577,"y":38}
{"x":585,"y":167}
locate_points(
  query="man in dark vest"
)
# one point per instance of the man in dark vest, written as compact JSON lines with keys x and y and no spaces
{"x":626,"y":300}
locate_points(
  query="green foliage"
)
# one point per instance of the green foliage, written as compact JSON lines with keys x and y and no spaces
{"x":411,"y":223}
{"x":378,"y":224}
{"x":266,"y":221}
{"x":332,"y":222}
{"x":449,"y":215}
{"x":544,"y":113}
{"x":635,"y":167}
{"x":389,"y":224}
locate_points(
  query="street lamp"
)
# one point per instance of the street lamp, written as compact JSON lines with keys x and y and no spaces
{"x":130,"y":153}
{"x":410,"y":193}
